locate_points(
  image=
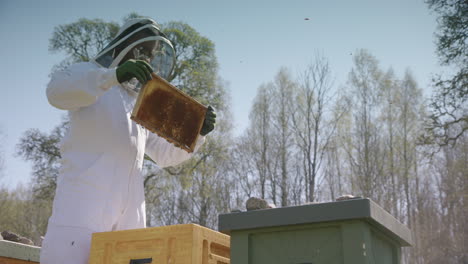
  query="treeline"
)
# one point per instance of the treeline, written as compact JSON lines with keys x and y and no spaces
{"x":309,"y":140}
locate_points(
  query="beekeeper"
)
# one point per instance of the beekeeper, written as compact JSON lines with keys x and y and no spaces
{"x":100,"y":186}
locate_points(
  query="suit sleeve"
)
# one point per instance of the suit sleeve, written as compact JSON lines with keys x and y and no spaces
{"x":79,"y":85}
{"x":166,"y":154}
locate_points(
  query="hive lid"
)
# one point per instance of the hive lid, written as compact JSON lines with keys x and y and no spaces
{"x":165,"y":110}
{"x":20,"y":251}
{"x":356,"y":209}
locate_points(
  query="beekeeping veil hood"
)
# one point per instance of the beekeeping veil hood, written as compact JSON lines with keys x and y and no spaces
{"x":140,"y":39}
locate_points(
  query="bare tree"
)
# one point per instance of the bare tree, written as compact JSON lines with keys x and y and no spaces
{"x":410,"y":122}
{"x":260,"y":135}
{"x":243,"y":166}
{"x":337,"y":172}
{"x":312,"y":126}
{"x":282,"y":95}
{"x":389,"y":114}
{"x":440,"y":221}
{"x":365,"y":154}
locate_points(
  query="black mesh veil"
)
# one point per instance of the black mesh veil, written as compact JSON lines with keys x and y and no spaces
{"x":140,"y":40}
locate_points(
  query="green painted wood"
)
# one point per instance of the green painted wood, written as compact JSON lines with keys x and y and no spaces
{"x":355,"y":242}
{"x":20,"y":251}
{"x":240,"y":253}
{"x":356,"y":209}
{"x":382,"y":250}
{"x":271,"y":247}
{"x":343,"y":240}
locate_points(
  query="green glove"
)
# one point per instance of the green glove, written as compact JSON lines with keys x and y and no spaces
{"x":134,"y":68}
{"x":210,"y":121}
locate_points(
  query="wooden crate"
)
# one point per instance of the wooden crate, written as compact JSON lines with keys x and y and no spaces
{"x":177,"y":244}
{"x":170,"y":113}
{"x":16,"y":253}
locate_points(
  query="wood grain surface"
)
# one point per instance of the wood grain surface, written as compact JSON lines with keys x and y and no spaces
{"x":165,"y":110}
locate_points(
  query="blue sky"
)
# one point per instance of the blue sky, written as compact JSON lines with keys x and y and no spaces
{"x":253,"y":40}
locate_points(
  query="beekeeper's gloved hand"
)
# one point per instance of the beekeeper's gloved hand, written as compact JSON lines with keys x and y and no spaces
{"x":134,"y":68}
{"x":210,"y":121}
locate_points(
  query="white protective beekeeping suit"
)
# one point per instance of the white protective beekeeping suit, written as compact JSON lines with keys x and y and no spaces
{"x":100,"y":186}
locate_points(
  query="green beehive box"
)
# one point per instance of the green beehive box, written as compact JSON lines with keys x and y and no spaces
{"x":17,"y":253}
{"x":354,"y":231}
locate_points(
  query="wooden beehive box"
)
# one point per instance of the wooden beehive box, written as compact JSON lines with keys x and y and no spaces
{"x":16,"y":253}
{"x":355,"y":231}
{"x":177,"y":244}
{"x":170,"y":113}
